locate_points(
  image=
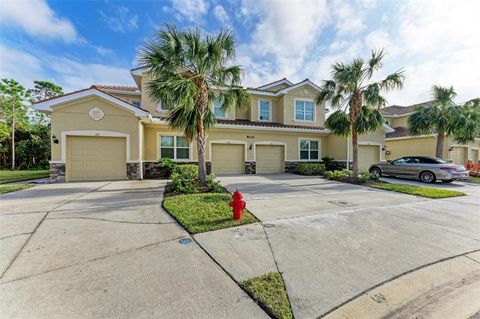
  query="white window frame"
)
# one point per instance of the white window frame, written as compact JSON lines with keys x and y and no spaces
{"x":159,"y":107}
{"x":219,"y":117}
{"x":269,"y":110}
{"x":319,"y":141}
{"x":159,"y":147}
{"x":295,"y":110}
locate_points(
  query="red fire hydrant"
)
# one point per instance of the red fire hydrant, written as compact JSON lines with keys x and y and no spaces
{"x":237,"y":204}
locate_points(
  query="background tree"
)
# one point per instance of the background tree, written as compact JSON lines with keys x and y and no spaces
{"x":31,"y":147}
{"x":357,"y":98}
{"x":444,"y":117}
{"x":189,"y":71}
{"x":14,"y":99}
{"x":42,"y":90}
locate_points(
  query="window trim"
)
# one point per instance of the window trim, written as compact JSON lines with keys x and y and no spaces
{"x":319,"y":149}
{"x":225,"y":116}
{"x":159,"y":107}
{"x":159,"y":147}
{"x":295,"y":110}
{"x":270,"y":115}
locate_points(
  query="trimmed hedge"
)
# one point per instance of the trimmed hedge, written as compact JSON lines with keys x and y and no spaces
{"x":310,"y":169}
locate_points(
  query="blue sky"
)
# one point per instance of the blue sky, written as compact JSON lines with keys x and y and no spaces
{"x":79,"y":43}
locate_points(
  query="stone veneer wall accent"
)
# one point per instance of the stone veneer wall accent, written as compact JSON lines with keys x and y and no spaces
{"x":57,"y":173}
{"x":133,"y":171}
{"x":250,"y":167}
{"x":152,"y":170}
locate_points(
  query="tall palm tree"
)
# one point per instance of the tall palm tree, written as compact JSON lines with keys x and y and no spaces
{"x":444,"y":117}
{"x":357,"y":98}
{"x":189,"y":71}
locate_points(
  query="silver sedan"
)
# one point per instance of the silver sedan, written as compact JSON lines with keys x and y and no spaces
{"x":427,"y":169}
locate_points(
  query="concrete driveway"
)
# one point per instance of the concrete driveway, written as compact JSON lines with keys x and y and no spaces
{"x":106,"y":250}
{"x":334,"y":242}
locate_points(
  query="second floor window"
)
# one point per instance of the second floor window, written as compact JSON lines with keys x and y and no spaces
{"x":162,"y":106}
{"x":264,"y":111}
{"x":174,"y":147}
{"x":217,"y":108}
{"x":304,"y":110}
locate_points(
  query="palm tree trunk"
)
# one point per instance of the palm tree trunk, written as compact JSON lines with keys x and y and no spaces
{"x":13,"y":139}
{"x":201,"y":134}
{"x":354,"y":153}
{"x":355,"y":105}
{"x":440,"y":142}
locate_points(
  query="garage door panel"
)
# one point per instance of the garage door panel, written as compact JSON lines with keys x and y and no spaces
{"x":367,"y":155}
{"x":228,"y":158}
{"x":270,"y":159}
{"x":95,"y":158}
{"x":459,"y":155}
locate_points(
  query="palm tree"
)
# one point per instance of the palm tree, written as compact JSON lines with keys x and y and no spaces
{"x":444,"y":118}
{"x":357,"y":98}
{"x":189,"y":71}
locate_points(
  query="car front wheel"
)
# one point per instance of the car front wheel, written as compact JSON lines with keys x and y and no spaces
{"x":428,"y":177}
{"x":376,"y":170}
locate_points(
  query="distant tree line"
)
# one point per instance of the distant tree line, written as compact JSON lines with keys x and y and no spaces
{"x":24,"y":133}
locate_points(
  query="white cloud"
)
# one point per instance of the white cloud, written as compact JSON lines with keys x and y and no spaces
{"x":221,"y":14}
{"x":191,"y":10}
{"x":25,"y":67}
{"x":349,"y":20}
{"x":120,"y":19}
{"x":284,"y":33}
{"x":37,"y":19}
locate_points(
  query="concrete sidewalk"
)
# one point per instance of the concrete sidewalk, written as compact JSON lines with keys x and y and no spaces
{"x":107,"y":250}
{"x":329,"y":253}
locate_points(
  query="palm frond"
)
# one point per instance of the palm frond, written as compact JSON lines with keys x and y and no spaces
{"x":369,"y":120}
{"x":339,"y":123}
{"x":393,"y":81}
{"x":375,"y":62}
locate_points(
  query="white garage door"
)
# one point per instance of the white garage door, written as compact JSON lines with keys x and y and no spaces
{"x":270,"y":159}
{"x":367,"y":155}
{"x":96,"y":158}
{"x":458,"y":155}
{"x":228,"y":158}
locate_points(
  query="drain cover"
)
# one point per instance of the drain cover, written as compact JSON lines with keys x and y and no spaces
{"x":268,"y":225}
{"x":185,"y":241}
{"x":342,"y":203}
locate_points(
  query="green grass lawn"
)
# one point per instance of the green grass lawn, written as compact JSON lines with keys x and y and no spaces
{"x":200,"y":213}
{"x":269,"y":291}
{"x":8,"y":176}
{"x":474,"y":179}
{"x":13,"y":188}
{"x":418,"y":190}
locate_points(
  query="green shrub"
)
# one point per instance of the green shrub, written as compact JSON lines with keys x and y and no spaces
{"x":185,"y":180}
{"x":338,"y":175}
{"x":367,"y":177}
{"x":213,"y":185}
{"x":167,"y":165}
{"x":311,"y":169}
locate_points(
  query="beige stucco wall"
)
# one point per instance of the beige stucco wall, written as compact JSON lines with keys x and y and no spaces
{"x":337,"y":145}
{"x":74,"y":117}
{"x":397,"y":121}
{"x":425,"y":146}
{"x":250,"y":137}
